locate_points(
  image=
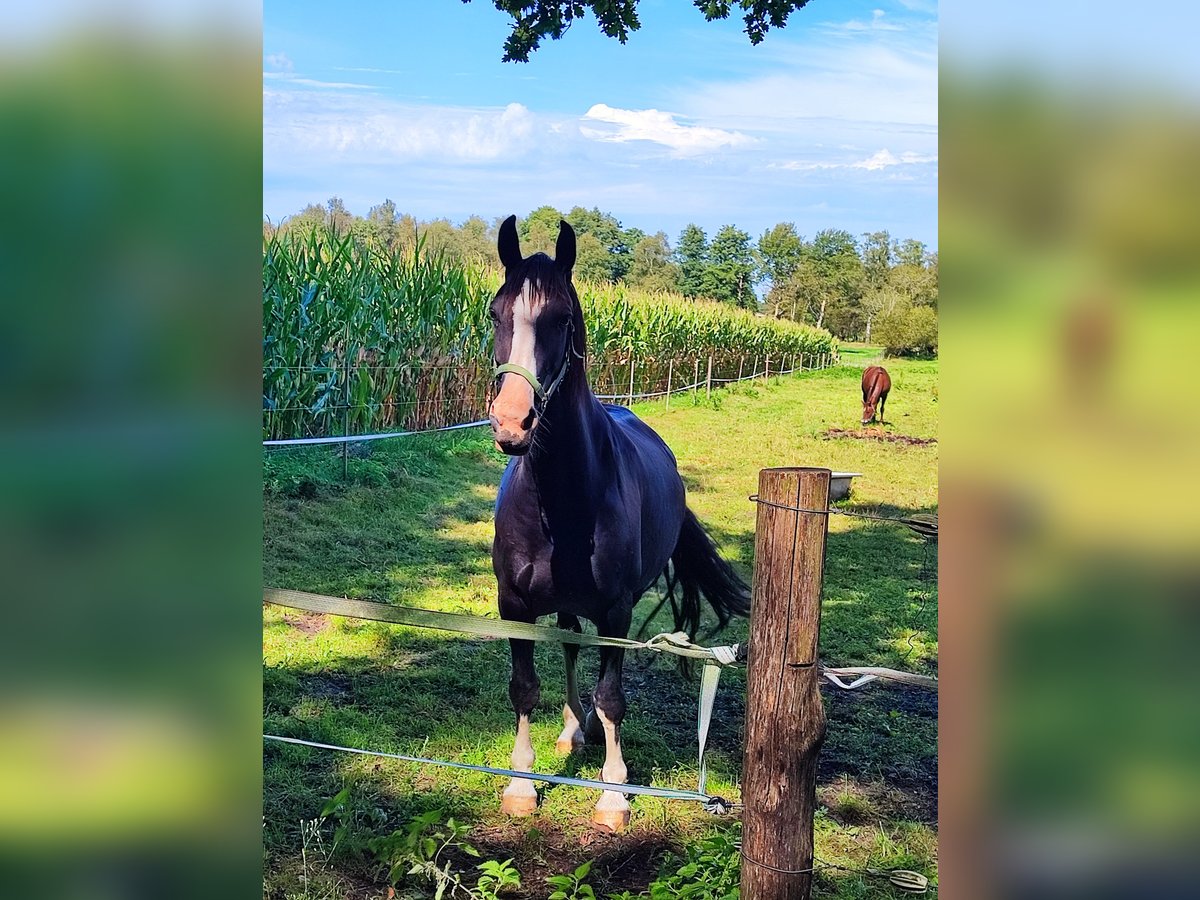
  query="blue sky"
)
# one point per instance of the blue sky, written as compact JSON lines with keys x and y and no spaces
{"x":829,"y":123}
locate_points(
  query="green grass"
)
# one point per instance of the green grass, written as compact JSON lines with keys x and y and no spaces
{"x":413,"y":525}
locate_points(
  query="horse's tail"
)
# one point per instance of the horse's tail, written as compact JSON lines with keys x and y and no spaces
{"x":697,"y":568}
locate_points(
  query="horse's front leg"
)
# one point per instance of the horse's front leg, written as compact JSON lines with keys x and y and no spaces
{"x":608,"y":711}
{"x":572,"y":734}
{"x":520,"y":797}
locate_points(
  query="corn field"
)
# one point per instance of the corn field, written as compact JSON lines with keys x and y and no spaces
{"x":357,"y":339}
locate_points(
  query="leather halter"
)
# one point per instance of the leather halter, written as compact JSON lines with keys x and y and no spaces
{"x":544,"y":393}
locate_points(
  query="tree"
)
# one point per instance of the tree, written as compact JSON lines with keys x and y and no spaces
{"x":730,"y":273}
{"x":312,"y":216}
{"x":917,"y":283}
{"x":592,"y":261}
{"x":779,"y":253}
{"x":877,"y":252}
{"x":908,"y":330}
{"x":877,"y":302}
{"x":833,"y":257}
{"x":617,"y":18}
{"x":539,"y":230}
{"x":439,"y":236}
{"x":385,"y":224}
{"x":477,"y":242}
{"x":804,"y":297}
{"x":911,"y":253}
{"x":607,"y":230}
{"x":340,"y":218}
{"x":692,"y":257}
{"x":406,"y":233}
{"x":651,"y":268}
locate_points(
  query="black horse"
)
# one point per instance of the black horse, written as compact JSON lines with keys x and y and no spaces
{"x":590,"y":512}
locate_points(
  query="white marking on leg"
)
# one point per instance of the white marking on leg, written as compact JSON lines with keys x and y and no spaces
{"x":612,"y":803}
{"x":571,"y":737}
{"x":520,"y":797}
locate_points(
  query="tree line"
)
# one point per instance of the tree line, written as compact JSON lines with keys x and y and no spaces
{"x":874,"y":288}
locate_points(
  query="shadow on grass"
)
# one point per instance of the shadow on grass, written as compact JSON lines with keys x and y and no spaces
{"x":385,"y":533}
{"x":407,"y":691}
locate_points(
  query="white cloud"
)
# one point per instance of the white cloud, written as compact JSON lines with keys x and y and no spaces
{"x":877,"y":23}
{"x":883,"y":159}
{"x":278,"y":62}
{"x":880,"y":159}
{"x":659,"y":128}
{"x":290,"y":78}
{"x":302,"y":129}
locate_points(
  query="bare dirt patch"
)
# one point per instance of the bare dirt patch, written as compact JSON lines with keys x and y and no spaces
{"x":308,"y":623}
{"x":628,"y":861}
{"x":877,"y":434}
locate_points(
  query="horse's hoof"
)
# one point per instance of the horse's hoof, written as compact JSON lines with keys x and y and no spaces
{"x":611,"y":819}
{"x":565,"y":746}
{"x":518,"y":805}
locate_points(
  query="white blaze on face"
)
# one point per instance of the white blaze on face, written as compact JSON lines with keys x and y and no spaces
{"x":523,"y":352}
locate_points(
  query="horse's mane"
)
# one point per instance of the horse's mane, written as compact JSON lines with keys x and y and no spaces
{"x":539,"y":270}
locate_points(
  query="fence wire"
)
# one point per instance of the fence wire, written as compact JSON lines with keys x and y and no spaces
{"x":625,"y":397}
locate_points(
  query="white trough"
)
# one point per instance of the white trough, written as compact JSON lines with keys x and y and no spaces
{"x":839,"y":485}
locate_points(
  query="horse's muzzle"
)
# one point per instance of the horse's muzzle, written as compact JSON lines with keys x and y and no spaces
{"x":513,"y":417}
{"x":515,"y":439}
{"x":513,"y":445}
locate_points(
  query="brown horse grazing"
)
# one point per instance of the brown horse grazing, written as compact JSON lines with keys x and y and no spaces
{"x":876,"y":384}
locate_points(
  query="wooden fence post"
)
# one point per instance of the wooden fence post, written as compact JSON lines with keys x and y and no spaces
{"x":708,"y":379}
{"x":785,"y":721}
{"x":741,"y":365}
{"x":632,"y":363}
{"x":670,"y":372}
{"x":767,"y":371}
{"x":696,"y":381}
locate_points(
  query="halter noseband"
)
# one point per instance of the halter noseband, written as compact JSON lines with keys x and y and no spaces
{"x":544,"y":393}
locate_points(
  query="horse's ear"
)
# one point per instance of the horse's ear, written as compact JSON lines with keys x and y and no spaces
{"x":509,"y":245}
{"x":564,"y":249}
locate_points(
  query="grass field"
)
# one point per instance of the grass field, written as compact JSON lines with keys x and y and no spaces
{"x":413,"y":526}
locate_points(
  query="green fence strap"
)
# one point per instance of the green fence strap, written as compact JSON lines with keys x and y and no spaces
{"x":708,"y":692}
{"x":677,"y":643}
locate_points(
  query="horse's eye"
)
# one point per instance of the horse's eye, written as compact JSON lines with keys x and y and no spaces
{"x":564,"y":322}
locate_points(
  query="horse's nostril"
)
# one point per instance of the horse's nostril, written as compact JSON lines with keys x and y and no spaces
{"x":527,"y":423}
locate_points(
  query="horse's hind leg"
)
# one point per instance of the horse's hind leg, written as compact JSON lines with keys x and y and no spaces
{"x":612,"y":810}
{"x":520,"y":797}
{"x":572,"y":734}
